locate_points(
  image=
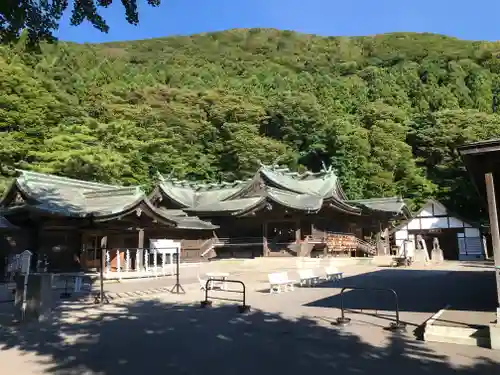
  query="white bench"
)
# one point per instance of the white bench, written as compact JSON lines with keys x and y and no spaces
{"x":332,"y":273}
{"x":278,"y":281}
{"x":307,"y":277}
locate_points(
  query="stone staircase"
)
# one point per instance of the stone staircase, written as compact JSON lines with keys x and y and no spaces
{"x":472,"y":336}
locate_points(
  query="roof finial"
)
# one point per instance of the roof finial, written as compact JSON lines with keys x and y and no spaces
{"x":160,"y":176}
{"x":275,"y":164}
{"x":171,"y":174}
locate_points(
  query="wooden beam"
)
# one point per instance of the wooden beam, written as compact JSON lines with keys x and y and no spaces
{"x":495,"y":231}
{"x":140,"y":249}
{"x":265,"y":251}
{"x":298,"y":231}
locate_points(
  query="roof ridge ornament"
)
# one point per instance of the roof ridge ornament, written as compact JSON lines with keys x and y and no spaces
{"x":159,"y":176}
{"x":124,"y":190}
{"x":170,"y":175}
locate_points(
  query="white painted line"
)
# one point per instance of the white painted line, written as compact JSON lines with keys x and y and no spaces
{"x":436,"y":316}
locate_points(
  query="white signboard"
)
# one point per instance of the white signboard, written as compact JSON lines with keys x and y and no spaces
{"x":25,"y":261}
{"x":164,"y":246}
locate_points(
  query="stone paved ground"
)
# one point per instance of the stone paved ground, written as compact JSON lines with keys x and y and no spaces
{"x":286,"y":333}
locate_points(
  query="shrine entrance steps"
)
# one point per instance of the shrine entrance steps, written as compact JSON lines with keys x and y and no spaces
{"x":472,"y":328}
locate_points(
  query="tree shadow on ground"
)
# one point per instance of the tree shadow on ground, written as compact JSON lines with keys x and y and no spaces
{"x":425,"y":291}
{"x":154,"y":337}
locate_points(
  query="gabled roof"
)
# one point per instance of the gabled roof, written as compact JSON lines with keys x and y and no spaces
{"x":323,"y":184}
{"x":307,"y":191}
{"x":393,"y":205}
{"x":76,"y":198}
{"x":272,"y":196}
{"x":439,"y":204}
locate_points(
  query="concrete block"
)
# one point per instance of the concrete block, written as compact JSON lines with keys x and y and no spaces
{"x":495,"y":336}
{"x":457,"y":335}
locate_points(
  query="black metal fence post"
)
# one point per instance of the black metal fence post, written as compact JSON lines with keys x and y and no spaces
{"x":178,"y":287}
{"x":342,"y":321}
{"x":243,"y":308}
{"x":393,"y":326}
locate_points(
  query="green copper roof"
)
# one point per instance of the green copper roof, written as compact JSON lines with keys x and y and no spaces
{"x":75,"y":197}
{"x":321,"y":184}
{"x":296,"y":201}
{"x":71,"y":197}
{"x":306,"y":191}
{"x":183,"y":221}
{"x":190,"y":195}
{"x":390,"y":205}
{"x":234,"y":205}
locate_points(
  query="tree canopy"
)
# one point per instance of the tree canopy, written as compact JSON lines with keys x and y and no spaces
{"x":387,"y":112}
{"x":41,"y":18}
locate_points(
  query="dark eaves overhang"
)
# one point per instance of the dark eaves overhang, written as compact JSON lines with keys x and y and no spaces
{"x":394,"y":207}
{"x":480,"y":158}
{"x":6,"y":225}
{"x":343,"y":206}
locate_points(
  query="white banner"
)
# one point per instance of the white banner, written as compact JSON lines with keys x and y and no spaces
{"x":164,"y":246}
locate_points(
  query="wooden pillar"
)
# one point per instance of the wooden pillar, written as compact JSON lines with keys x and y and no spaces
{"x":104,"y":245}
{"x":140,"y":248}
{"x":83,"y":250}
{"x":298,"y":232}
{"x":104,"y":242}
{"x":495,"y":231}
{"x":35,"y":244}
{"x":265,"y":251}
{"x":379,"y":243}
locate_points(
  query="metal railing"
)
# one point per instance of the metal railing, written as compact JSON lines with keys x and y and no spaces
{"x":394,"y":326}
{"x":258,"y":241}
{"x":239,"y":241}
{"x":208,"y":245}
{"x":242,"y":308}
{"x":366,"y":246}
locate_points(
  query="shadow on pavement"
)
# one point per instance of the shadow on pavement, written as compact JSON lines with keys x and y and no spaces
{"x":425,"y":291}
{"x":151,"y":337}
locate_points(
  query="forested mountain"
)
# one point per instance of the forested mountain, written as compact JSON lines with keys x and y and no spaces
{"x":386,"y":111}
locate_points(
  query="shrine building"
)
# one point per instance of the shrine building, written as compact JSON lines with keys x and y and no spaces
{"x":278,"y":212}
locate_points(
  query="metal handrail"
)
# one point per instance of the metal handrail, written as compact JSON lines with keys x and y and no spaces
{"x":370,"y":247}
{"x":235,"y":241}
{"x":394,"y":326}
{"x":241,"y":308}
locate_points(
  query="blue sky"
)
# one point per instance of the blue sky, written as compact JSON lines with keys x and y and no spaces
{"x":479,"y":19}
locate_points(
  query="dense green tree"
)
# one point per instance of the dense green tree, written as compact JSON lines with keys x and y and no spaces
{"x":387,"y":112}
{"x":41,"y":18}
